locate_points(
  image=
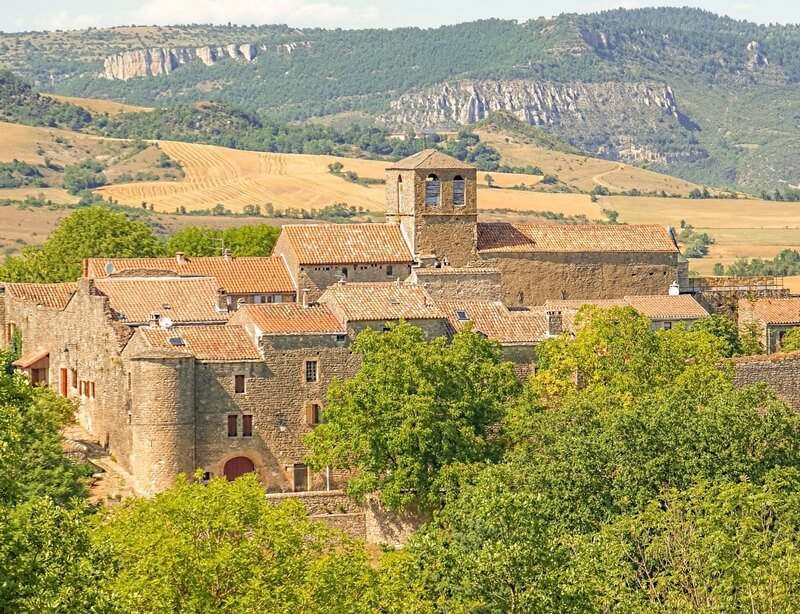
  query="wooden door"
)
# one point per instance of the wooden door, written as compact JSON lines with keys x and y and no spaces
{"x":300,"y":477}
{"x":238,"y":466}
{"x":63,"y":382}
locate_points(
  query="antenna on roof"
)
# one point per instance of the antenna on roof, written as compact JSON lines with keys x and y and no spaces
{"x":109,"y":268}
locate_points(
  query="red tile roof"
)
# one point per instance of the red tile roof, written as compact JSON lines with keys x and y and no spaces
{"x":203,"y":342}
{"x":381,"y":302}
{"x":55,"y":296}
{"x":243,"y":275}
{"x":183,"y":299}
{"x":655,"y":307}
{"x":31,"y":358}
{"x":347,"y":244}
{"x":496,"y":321}
{"x":430,"y":159}
{"x":773,"y":310}
{"x":289,"y":319}
{"x":507,"y":237}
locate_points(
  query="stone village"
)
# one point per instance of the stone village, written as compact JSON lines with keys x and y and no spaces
{"x":222,"y":363}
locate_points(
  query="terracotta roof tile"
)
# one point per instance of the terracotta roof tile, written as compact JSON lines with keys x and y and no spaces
{"x":774,"y":310}
{"x":203,"y":342}
{"x":386,"y":302}
{"x":243,"y":275}
{"x":655,"y":307}
{"x":347,"y":243}
{"x":452,"y":270}
{"x":187,"y":299}
{"x":55,"y":296}
{"x":289,"y":319}
{"x":430,"y":159}
{"x":496,"y":321}
{"x":31,"y":358}
{"x":507,"y":237}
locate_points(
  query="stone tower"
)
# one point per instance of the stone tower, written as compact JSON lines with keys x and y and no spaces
{"x":434,"y":199}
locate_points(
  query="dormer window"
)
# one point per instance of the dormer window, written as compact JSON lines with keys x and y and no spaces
{"x":459,"y":190}
{"x":433,"y":191}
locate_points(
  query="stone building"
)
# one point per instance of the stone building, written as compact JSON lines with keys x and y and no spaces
{"x":247,"y":279}
{"x":771,"y":318}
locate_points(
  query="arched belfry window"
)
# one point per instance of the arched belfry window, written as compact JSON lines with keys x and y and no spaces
{"x":399,"y":191}
{"x":459,"y":189}
{"x":433,"y":190}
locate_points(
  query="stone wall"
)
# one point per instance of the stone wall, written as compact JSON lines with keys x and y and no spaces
{"x":430,"y":328}
{"x":320,"y":277}
{"x":83,"y":340}
{"x":533,"y":278}
{"x":726,"y":302}
{"x":462,"y":283}
{"x":780,"y":371}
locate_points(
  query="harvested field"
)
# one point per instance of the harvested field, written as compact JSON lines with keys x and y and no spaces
{"x":99,"y":106}
{"x":237,"y":178}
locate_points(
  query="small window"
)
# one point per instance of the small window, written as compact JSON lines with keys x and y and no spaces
{"x":238,"y":384}
{"x":521,"y":298}
{"x":667,"y":325}
{"x":312,"y":372}
{"x":247,"y":425}
{"x":459,"y":188}
{"x":232,"y":426}
{"x":344,"y":272}
{"x":433,"y":191}
{"x":314,"y":414}
{"x":389,"y":271}
{"x":75,"y":378}
{"x":462,"y":316}
{"x":206,"y":476}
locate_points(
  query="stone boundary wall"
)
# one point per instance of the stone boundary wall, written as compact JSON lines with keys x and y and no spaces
{"x":780,"y":371}
{"x":368,"y":521}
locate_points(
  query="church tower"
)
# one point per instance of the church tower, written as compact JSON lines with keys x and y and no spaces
{"x":434,"y":199}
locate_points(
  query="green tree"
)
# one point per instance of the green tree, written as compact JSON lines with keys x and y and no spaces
{"x":223,"y":546}
{"x":491,"y":550}
{"x":620,"y":412}
{"x":715,"y":547}
{"x":195,"y":241}
{"x":791,"y":340}
{"x":413,"y":409}
{"x":84,"y":176}
{"x":247,"y":240}
{"x":722,"y":328}
{"x":85,"y":233}
{"x":252,"y":239}
{"x":48,"y":562}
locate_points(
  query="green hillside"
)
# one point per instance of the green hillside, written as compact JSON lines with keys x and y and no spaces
{"x":732,"y":118}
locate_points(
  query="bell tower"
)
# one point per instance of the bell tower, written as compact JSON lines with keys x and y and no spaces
{"x":434,"y":199}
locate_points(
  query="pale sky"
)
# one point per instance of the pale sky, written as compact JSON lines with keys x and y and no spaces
{"x":66,"y":14}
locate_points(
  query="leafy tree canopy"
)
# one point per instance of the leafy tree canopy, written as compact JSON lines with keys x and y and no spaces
{"x":251,"y":240}
{"x":413,"y":409}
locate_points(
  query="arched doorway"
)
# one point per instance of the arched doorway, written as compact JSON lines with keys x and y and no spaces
{"x":238,"y":466}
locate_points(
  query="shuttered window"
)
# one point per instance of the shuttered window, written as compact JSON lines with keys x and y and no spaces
{"x":459,"y":188}
{"x":232,"y":427}
{"x":238,"y":385}
{"x":247,"y":425}
{"x":433,"y":191}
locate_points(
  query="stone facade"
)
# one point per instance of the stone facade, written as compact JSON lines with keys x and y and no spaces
{"x":531,"y":278}
{"x":780,"y":371}
{"x":467,"y":283}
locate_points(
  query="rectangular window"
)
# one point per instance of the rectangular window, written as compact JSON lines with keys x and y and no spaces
{"x":312,"y":372}
{"x":238,"y":384}
{"x":232,"y":426}
{"x":459,"y":187}
{"x":247,"y":425}
{"x":667,"y":325}
{"x":75,"y":378}
{"x":389,"y":271}
{"x":314,"y":414}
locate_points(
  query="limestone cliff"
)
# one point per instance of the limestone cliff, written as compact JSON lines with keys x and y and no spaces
{"x":607,"y":118}
{"x":162,"y":61}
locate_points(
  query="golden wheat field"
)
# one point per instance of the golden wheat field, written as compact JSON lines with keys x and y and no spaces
{"x":99,"y":106}
{"x":236,"y":178}
{"x":582,"y":172}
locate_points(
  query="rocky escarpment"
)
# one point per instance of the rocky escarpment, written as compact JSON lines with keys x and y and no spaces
{"x":605,"y":118}
{"x":162,"y":61}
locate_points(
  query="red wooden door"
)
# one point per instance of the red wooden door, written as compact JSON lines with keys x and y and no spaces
{"x":63,"y":382}
{"x":238,"y":466}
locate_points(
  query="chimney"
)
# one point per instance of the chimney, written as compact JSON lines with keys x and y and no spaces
{"x":227,"y":254}
{"x":153,"y":321}
{"x":180,"y":258}
{"x":222,"y":300}
{"x":555,"y":324}
{"x":305,"y":297}
{"x":240,"y":302}
{"x":674,"y":289}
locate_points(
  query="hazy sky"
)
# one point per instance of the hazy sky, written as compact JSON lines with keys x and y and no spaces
{"x":18,"y":15}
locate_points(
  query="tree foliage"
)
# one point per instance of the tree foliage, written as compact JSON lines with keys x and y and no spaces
{"x":250,"y":240}
{"x":413,"y":409}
